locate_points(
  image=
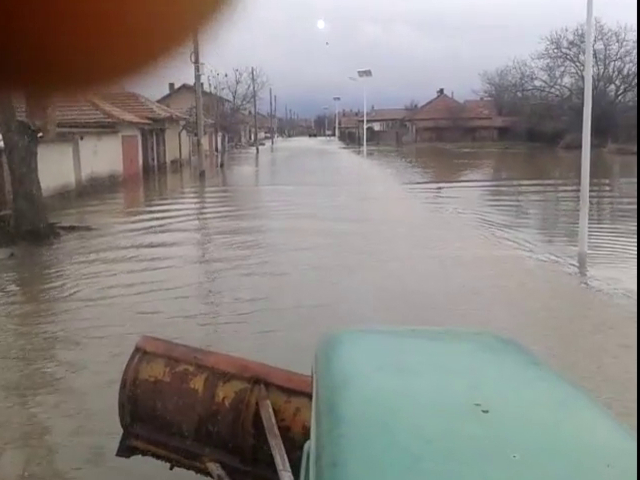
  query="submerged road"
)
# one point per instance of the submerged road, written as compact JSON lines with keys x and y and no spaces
{"x":277,"y":251}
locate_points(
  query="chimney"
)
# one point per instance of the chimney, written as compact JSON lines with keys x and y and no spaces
{"x":440,"y":92}
{"x":172,"y":87}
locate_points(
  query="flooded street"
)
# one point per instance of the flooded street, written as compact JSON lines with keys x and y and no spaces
{"x":274,"y":252}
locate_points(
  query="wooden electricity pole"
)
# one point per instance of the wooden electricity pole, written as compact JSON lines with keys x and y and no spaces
{"x":271,"y":115}
{"x":275,"y":111}
{"x":199,"y":113}
{"x":286,"y":120}
{"x":255,"y":109}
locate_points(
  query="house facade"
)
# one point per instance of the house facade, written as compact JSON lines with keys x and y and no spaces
{"x":182,"y":99}
{"x":164,"y":138}
{"x":385,"y":125}
{"x":445,"y":119}
{"x":92,"y":141}
{"x":349,"y":127}
{"x":95,"y":137}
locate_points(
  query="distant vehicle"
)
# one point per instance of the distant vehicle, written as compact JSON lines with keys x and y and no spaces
{"x":312,"y":134}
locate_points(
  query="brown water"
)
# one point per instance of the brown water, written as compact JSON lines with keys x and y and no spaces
{"x":531,"y":200}
{"x":308,"y":239}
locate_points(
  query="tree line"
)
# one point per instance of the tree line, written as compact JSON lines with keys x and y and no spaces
{"x":545,"y":90}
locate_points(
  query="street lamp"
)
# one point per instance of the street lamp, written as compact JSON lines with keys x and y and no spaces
{"x":326,"y":120}
{"x":585,"y":177}
{"x":364,"y":74}
{"x":336,"y":100}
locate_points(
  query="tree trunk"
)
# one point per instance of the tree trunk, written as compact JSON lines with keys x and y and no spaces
{"x":4,"y":201}
{"x":29,"y":220}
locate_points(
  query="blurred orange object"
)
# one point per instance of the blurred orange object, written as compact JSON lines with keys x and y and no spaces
{"x":68,"y":45}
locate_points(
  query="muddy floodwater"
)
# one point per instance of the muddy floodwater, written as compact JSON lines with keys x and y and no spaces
{"x":311,"y":237}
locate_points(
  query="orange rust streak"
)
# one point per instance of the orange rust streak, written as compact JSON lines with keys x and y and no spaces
{"x":154,"y":370}
{"x":235,"y":365}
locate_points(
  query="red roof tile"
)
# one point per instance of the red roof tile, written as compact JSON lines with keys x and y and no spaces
{"x":441,"y":107}
{"x":140,"y":106}
{"x":117,"y":114}
{"x":386,"y":114}
{"x":86,"y":111}
{"x":480,"y":109}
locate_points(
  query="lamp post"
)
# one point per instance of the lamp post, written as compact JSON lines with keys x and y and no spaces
{"x":364,"y":74}
{"x":336,"y":100}
{"x":585,"y":177}
{"x":326,"y":120}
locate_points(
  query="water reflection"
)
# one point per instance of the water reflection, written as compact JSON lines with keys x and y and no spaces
{"x":31,"y":381}
{"x":530,"y":199}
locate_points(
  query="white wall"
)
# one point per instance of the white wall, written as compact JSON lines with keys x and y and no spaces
{"x":173,"y":146}
{"x":55,"y":167}
{"x":100,"y":155}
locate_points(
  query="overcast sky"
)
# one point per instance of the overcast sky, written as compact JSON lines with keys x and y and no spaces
{"x":413,"y":46}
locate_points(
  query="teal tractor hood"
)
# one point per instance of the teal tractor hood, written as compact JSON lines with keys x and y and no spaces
{"x":452,"y":405}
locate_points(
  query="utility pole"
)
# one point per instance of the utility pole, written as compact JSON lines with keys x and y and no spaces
{"x":199,"y":114}
{"x":326,"y":120}
{"x":275,"y":111}
{"x":215,"y":126}
{"x":271,"y":115}
{"x":336,"y":99}
{"x":216,"y":99}
{"x":255,"y":108}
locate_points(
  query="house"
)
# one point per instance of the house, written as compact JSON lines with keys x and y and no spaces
{"x":349,"y":130}
{"x":92,"y":140}
{"x":164,"y":139}
{"x":385,"y":125}
{"x":182,"y":99}
{"x":264,"y":126}
{"x":445,"y":119}
{"x":96,"y":137}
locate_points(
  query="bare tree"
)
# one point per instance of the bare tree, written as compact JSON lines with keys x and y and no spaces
{"x":508,"y":86}
{"x":236,"y":87}
{"x":20,"y":136}
{"x":412,"y":105}
{"x":549,"y":85}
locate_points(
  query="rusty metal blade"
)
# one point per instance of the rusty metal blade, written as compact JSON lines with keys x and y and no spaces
{"x":188,"y":406}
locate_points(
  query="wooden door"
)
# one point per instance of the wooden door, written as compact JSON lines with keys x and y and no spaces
{"x":130,"y":157}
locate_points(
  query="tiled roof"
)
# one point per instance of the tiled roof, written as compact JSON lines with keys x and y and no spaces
{"x":480,"y":109}
{"x":444,"y":107}
{"x":87,"y":111}
{"x":441,"y":107}
{"x":386,"y":114}
{"x":140,"y":106}
{"x":190,"y":87}
{"x":348,"y":119}
{"x":117,"y":114}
